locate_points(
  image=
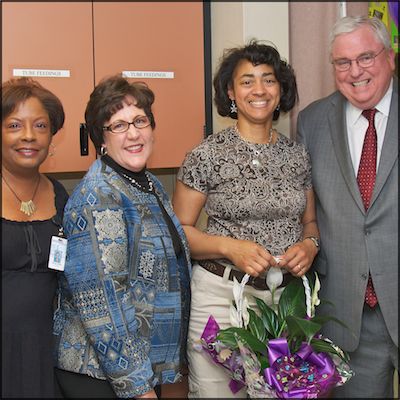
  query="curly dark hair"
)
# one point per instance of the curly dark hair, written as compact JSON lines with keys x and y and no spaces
{"x":257,"y":54}
{"x":17,"y":90}
{"x":107,"y":98}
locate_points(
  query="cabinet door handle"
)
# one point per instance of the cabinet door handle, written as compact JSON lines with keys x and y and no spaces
{"x":83,"y":137}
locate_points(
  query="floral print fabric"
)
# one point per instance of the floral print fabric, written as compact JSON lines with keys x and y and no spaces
{"x":254,"y":191}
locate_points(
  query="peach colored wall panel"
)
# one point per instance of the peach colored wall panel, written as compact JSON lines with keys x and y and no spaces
{"x":166,"y":37}
{"x":54,"y":36}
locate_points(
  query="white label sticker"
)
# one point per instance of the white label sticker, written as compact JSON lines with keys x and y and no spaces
{"x":149,"y":74}
{"x":58,"y":253}
{"x":43,"y":73}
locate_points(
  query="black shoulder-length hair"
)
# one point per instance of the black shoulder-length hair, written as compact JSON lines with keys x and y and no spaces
{"x":257,"y":53}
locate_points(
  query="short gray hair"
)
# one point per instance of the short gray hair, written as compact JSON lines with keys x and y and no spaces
{"x":350,"y":24}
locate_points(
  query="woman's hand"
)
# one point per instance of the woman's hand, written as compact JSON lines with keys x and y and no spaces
{"x":248,"y":256}
{"x":298,"y":258}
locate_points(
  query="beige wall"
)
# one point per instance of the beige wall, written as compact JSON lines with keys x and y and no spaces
{"x":310,"y":25}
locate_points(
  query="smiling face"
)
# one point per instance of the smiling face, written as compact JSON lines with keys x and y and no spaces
{"x":26,"y":136}
{"x":256,"y":92}
{"x":363,"y":87}
{"x":131,"y":149}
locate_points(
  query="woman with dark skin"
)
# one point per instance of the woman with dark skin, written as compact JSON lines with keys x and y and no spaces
{"x":32,"y":210}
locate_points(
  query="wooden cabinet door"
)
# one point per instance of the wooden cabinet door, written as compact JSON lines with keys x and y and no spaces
{"x":54,"y":36}
{"x":158,"y":37}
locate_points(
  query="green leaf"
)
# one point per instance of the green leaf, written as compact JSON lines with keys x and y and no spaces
{"x":264,"y":362}
{"x":294,"y":343}
{"x":227,"y":336}
{"x":327,"y":302}
{"x":321,"y":345}
{"x":301,"y":327}
{"x":292,"y":300}
{"x":256,"y":326}
{"x":269,"y":318}
{"x":322,"y":319}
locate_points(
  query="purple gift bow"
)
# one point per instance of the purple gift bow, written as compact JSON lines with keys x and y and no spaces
{"x":326,"y":378}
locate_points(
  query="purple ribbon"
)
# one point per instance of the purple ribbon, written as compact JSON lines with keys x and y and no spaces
{"x":305,"y":374}
{"x":232,"y":364}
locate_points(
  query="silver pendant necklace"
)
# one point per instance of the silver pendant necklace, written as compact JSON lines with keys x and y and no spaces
{"x":27,"y":207}
{"x":256,"y":161}
{"x":150,"y":188}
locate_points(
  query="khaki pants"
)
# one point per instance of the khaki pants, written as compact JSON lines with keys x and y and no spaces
{"x":212,"y":295}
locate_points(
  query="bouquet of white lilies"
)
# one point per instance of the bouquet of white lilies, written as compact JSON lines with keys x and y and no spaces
{"x":278,"y":352}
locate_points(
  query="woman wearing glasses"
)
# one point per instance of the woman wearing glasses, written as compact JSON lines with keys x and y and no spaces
{"x":121,"y":325}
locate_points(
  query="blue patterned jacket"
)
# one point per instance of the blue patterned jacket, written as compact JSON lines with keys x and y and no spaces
{"x":124,"y":298}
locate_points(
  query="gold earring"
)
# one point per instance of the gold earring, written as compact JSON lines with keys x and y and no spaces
{"x":52,"y":149}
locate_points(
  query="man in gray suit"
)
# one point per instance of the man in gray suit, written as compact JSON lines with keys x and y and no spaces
{"x":357,"y":202}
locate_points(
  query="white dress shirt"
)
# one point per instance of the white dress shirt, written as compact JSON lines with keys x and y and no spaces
{"x":357,"y":126}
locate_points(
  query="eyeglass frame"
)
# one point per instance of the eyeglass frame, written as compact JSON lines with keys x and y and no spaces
{"x":108,"y":128}
{"x":349,"y":61}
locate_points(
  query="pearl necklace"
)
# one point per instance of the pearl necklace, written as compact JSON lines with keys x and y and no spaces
{"x":138,"y":185}
{"x":256,"y":162}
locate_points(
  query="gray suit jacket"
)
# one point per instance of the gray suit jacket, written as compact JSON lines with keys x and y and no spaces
{"x":353,"y":242}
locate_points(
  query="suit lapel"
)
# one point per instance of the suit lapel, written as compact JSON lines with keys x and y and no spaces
{"x":390,"y":146}
{"x":338,"y":130}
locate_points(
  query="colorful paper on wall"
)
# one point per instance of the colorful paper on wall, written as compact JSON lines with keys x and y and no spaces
{"x":388,"y":12}
{"x":380,"y":10}
{"x":394,"y":24}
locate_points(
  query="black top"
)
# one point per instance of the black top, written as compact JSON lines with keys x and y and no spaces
{"x":28,"y":294}
{"x":139,"y":177}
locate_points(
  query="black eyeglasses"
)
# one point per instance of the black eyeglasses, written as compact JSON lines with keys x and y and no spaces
{"x":123,"y":126}
{"x":363,"y":61}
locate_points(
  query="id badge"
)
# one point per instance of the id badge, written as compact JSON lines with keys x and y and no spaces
{"x":58,"y":253}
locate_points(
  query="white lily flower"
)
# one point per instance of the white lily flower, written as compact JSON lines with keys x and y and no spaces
{"x":237,"y":291}
{"x":245,"y":312}
{"x":274,"y":278}
{"x":233,"y":317}
{"x":315,"y":301}
{"x":239,"y":314}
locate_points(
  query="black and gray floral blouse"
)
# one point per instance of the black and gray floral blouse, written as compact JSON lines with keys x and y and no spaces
{"x":254,"y":191}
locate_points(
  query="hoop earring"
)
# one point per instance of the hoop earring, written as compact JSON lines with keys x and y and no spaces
{"x":278,"y":108}
{"x":52,"y":149}
{"x":233,"y":107}
{"x":103,"y":150}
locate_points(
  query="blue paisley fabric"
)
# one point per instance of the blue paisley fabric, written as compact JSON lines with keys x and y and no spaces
{"x":124,"y":298}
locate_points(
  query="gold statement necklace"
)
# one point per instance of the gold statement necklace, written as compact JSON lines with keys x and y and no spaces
{"x":27,"y":207}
